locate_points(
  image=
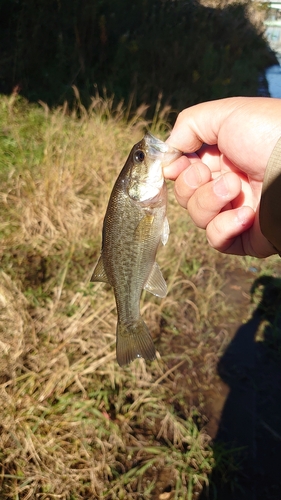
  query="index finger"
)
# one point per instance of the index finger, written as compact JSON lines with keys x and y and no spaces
{"x":201,"y":124}
{"x":245,"y":130}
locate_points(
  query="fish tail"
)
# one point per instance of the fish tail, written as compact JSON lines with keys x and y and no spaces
{"x":134,"y":341}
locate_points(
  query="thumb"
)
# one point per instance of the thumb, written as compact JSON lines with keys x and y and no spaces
{"x":202,"y":123}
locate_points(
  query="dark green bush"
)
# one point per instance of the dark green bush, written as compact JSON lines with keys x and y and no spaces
{"x":179,"y":48}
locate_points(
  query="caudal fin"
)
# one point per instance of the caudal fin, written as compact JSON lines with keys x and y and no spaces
{"x":133,"y":341}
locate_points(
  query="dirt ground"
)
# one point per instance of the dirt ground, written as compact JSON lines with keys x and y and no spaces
{"x":244,"y":408}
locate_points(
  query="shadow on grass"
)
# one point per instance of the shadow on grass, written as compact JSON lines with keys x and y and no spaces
{"x":251,"y":418}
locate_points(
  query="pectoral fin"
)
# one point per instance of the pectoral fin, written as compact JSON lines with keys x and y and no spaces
{"x":165,"y":231}
{"x":99,"y":273}
{"x":156,"y":283}
{"x":143,"y":229}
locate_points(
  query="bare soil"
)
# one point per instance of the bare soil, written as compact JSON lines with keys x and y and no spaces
{"x":244,"y":405}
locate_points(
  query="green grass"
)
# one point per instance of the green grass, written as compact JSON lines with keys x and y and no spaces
{"x":74,"y":425}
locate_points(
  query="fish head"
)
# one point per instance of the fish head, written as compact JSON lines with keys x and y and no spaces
{"x":146,"y":162}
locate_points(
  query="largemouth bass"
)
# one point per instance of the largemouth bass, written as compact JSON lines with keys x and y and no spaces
{"x":135,"y":222}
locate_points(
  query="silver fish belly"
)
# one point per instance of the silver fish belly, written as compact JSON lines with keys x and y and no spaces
{"x":134,"y":224}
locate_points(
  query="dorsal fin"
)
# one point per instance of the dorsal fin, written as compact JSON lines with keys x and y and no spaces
{"x":99,"y":273}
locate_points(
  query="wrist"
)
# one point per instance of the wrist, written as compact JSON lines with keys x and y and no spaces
{"x":270,"y":205}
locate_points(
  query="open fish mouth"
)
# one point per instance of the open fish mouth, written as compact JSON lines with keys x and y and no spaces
{"x":160,"y":150}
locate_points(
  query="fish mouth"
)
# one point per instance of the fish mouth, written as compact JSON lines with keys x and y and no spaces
{"x":158,"y":154}
{"x":160,"y":150}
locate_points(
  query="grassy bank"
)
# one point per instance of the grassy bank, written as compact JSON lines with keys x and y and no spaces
{"x":73,"y":424}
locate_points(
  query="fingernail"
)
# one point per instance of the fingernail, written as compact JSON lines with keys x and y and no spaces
{"x":192,"y":177}
{"x":220,"y":186}
{"x":242,"y":215}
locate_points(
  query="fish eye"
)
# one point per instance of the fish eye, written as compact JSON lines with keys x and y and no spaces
{"x":139,"y":156}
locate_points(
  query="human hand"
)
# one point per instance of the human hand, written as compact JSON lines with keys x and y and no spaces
{"x":228,"y":144}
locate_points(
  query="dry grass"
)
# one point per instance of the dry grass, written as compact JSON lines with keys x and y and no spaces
{"x":73,"y":424}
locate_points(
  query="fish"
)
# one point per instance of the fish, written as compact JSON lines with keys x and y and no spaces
{"x":134,"y":225}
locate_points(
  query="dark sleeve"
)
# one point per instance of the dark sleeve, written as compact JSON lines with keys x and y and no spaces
{"x":270,"y":206}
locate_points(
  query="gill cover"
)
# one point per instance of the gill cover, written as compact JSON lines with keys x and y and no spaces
{"x":146,"y":179}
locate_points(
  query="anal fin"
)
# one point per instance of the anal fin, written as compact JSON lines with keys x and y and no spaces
{"x":156,"y":283}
